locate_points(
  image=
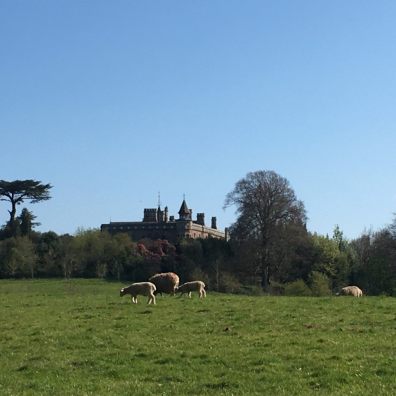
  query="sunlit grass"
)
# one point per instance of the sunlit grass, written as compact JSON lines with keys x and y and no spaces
{"x":79,"y":337}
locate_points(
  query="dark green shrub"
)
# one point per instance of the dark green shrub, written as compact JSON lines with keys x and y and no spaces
{"x":319,"y":284}
{"x":297,"y":288}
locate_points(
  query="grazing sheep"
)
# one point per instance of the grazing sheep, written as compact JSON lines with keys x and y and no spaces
{"x":189,"y":287}
{"x":140,"y":288}
{"x":351,"y":291}
{"x":166,"y":282}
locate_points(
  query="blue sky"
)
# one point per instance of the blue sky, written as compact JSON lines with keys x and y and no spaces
{"x":114,"y":101}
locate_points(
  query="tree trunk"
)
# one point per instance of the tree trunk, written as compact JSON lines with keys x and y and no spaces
{"x":217,"y":276}
{"x":265,"y":270}
{"x":12,"y":225}
{"x":265,"y":281}
{"x":118,"y":266}
{"x":12,"y":212}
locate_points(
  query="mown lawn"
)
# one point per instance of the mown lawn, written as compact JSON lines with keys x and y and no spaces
{"x":79,"y":337}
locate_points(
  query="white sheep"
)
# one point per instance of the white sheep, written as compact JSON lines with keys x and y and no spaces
{"x":351,"y":291}
{"x":189,"y":287}
{"x":140,"y":288}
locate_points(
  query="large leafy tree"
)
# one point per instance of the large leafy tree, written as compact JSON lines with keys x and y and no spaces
{"x":26,"y":222}
{"x":375,"y":262}
{"x":17,"y":257}
{"x":265,"y":203}
{"x":19,"y":191}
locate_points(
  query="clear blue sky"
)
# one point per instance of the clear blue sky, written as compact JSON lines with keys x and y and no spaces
{"x":113,"y":101}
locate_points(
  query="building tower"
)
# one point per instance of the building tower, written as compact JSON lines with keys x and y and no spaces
{"x":184,"y":212}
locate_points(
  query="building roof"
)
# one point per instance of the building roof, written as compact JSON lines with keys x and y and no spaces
{"x":184,"y":209}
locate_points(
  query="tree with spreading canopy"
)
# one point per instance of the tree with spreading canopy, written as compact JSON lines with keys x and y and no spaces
{"x":265,"y":205}
{"x":18,"y":191}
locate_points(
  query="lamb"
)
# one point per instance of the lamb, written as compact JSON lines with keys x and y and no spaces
{"x":166,"y":282}
{"x":189,"y":287}
{"x":140,"y":288}
{"x":351,"y":291}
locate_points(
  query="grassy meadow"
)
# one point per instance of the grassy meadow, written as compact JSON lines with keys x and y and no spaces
{"x":80,"y":337}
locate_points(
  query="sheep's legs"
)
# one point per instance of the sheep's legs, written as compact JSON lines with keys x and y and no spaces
{"x":151,"y":299}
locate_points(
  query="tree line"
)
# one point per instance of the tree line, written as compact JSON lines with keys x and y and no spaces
{"x":269,"y":250}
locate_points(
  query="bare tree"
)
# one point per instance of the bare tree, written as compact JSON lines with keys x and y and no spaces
{"x":264,"y":203}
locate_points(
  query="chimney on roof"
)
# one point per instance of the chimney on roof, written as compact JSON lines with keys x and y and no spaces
{"x":201,"y":218}
{"x":214,"y":221}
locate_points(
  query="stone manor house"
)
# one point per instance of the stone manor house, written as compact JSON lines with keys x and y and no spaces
{"x":157,"y":224}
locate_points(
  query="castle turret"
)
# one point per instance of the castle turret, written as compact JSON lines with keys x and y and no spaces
{"x":184,"y":212}
{"x":150,"y":215}
{"x":166,"y":214}
{"x":160,"y":215}
{"x":214,"y":221}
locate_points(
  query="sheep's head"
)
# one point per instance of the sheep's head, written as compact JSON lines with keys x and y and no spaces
{"x":122,"y":292}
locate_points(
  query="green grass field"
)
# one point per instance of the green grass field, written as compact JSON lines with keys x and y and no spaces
{"x":79,"y":337}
